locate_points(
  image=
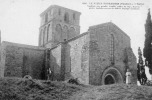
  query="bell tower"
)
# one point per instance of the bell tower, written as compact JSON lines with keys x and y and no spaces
{"x":57,"y":24}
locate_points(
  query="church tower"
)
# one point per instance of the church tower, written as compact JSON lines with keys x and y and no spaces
{"x":57,"y":24}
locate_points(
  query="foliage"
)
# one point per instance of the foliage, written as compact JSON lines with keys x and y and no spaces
{"x":141,"y":69}
{"x":31,"y":89}
{"x":148,"y":43}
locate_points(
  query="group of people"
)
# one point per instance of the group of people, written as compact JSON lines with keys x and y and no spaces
{"x":140,"y":75}
{"x":128,"y":75}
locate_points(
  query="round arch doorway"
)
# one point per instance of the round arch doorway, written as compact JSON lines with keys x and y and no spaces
{"x":111,"y":76}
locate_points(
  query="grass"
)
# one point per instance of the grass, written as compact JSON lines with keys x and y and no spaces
{"x":23,"y":89}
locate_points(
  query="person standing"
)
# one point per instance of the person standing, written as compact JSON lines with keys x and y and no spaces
{"x":128,"y":77}
{"x":49,"y":73}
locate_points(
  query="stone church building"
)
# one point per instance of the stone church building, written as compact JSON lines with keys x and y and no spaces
{"x":99,"y":56}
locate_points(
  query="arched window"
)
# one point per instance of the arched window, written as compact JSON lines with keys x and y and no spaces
{"x":64,"y":33}
{"x":84,"y":60}
{"x":66,"y":17}
{"x":112,"y":49}
{"x":48,"y":28}
{"x":72,"y":33}
{"x":46,"y":17}
{"x":58,"y":32}
{"x":84,"y":52}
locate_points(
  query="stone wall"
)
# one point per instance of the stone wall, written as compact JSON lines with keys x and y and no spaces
{"x":99,"y":54}
{"x":70,"y":59}
{"x":124,"y":55}
{"x":20,"y":60}
{"x":104,"y":55}
{"x":77,"y":58}
{"x":55,"y":62}
{"x":49,"y":45}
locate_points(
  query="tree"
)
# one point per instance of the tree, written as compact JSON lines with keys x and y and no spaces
{"x":142,"y":78}
{"x":147,"y":51}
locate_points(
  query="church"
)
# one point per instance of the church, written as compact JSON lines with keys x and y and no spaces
{"x":99,"y":56}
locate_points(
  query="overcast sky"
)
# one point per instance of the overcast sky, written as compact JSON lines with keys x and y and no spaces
{"x":20,"y":20}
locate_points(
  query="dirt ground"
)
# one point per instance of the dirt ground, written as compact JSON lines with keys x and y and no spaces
{"x":24,"y":89}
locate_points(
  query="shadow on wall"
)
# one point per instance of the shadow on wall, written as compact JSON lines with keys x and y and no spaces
{"x":43,"y":72}
{"x":55,"y":68}
{"x":33,"y":64}
{"x":61,"y":71}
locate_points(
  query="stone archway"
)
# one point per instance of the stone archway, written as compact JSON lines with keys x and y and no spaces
{"x":109,"y":79}
{"x":111,"y":76}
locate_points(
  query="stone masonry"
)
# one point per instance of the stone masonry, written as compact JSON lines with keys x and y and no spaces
{"x":18,"y":60}
{"x":99,"y":56}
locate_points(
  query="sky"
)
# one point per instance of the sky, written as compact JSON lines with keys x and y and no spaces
{"x":20,"y":19}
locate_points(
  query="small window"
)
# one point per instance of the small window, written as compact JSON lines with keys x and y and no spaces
{"x":73,"y":16}
{"x":59,"y":13}
{"x":47,"y":37}
{"x":66,"y":17}
{"x":46,"y":17}
{"x":112,"y":49}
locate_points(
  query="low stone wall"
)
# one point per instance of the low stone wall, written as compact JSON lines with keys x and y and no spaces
{"x":19,"y":60}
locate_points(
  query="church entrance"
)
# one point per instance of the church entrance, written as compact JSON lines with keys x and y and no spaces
{"x":111,"y":75}
{"x":109,"y":79}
